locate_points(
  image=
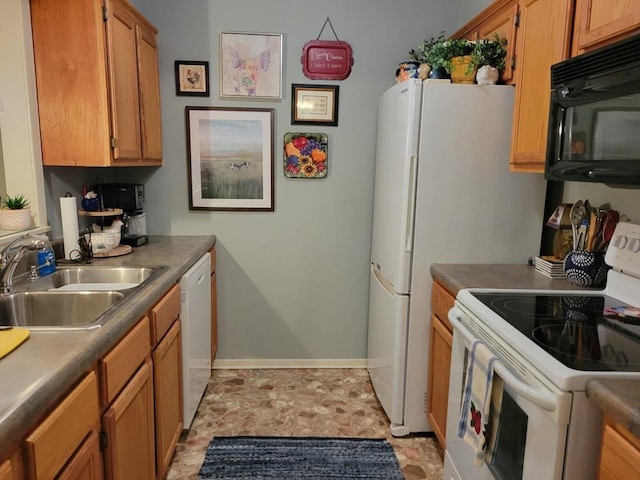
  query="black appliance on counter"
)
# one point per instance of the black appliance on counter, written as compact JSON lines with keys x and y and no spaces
{"x":130,"y":198}
{"x":595,"y":116}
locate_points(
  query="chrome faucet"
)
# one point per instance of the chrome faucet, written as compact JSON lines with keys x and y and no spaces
{"x":10,"y":256}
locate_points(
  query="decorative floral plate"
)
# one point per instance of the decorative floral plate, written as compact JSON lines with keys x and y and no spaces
{"x":305,"y":155}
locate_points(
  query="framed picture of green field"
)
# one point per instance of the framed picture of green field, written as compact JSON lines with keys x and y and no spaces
{"x":230,"y":158}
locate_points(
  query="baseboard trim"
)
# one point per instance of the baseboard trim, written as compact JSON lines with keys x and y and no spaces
{"x":261,"y":363}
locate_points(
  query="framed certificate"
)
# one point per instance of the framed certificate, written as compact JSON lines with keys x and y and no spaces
{"x":314,"y":104}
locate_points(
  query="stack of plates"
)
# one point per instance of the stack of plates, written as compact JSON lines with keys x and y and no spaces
{"x":550,"y":266}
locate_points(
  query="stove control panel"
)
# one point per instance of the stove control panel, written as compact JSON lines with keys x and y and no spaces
{"x":623,"y":252}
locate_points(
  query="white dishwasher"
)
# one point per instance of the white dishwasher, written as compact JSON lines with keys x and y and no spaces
{"x":195,"y":316}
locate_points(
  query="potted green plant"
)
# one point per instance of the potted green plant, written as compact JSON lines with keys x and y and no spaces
{"x":15,"y":213}
{"x":439,"y":52}
{"x":431,"y":53}
{"x":489,"y":58}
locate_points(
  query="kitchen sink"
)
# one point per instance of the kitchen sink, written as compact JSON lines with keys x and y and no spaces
{"x":72,"y":297}
{"x":89,"y":278}
{"x":56,"y":310}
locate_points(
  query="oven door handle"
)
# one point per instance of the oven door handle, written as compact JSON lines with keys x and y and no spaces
{"x":541,"y":398}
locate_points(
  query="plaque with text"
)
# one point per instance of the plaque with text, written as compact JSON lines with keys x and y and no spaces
{"x":326,"y":60}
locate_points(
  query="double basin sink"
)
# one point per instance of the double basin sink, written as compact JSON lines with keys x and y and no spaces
{"x":71,"y":298}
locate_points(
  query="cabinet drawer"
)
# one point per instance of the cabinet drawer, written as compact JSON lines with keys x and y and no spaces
{"x":49,"y":447}
{"x":119,"y":365}
{"x":441,"y":303}
{"x":164,"y":313}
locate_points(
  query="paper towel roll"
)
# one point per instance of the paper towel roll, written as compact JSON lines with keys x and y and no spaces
{"x":70,"y":229}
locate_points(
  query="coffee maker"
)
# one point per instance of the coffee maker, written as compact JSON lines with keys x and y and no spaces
{"x":130,"y":198}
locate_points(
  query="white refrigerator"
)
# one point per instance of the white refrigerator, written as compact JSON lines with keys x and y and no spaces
{"x":443,"y":194}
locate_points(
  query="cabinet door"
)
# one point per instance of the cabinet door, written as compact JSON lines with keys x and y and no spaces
{"x":543,"y":39}
{"x":167,"y":373}
{"x":123,"y":74}
{"x":500,"y":18}
{"x":6,"y":471}
{"x":70,"y":64}
{"x":129,"y":426}
{"x":149,"y":95}
{"x":50,"y":446}
{"x":503,"y":23}
{"x":214,"y":317}
{"x":86,"y":463}
{"x":619,"y":458}
{"x":599,"y":22}
{"x":438,"y":386}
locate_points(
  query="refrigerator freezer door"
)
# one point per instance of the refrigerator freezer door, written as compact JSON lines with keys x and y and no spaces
{"x":395,"y":181}
{"x":386,"y":348}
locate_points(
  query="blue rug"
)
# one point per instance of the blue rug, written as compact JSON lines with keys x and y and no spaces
{"x":261,"y":458}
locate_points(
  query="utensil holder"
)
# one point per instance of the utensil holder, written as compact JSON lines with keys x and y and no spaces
{"x":585,"y":269}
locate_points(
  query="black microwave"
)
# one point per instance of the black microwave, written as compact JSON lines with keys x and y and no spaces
{"x":594,"y":119}
{"x":128,"y":196}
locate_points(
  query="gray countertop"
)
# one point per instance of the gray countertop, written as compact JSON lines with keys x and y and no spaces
{"x":618,"y":398}
{"x":455,"y":277}
{"x":39,"y":372}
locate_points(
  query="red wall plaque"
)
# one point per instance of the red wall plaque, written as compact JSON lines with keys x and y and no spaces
{"x":326,"y":60}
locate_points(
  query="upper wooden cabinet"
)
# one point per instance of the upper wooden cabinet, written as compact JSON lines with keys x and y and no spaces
{"x":600,"y":22}
{"x":543,"y":39}
{"x":540,"y":33}
{"x":97,"y":82}
{"x":499,"y":18}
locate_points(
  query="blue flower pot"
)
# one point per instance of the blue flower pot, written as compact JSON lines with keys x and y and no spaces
{"x":91,"y":204}
{"x":586,"y":269}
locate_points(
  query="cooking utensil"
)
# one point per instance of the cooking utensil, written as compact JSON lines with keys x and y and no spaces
{"x":609,"y":225}
{"x":577,"y":214}
{"x":575,"y":222}
{"x":591,"y":232}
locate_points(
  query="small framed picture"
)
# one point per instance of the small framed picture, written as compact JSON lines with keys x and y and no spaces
{"x":251,"y":65}
{"x":314,"y":104}
{"x":192,"y":78}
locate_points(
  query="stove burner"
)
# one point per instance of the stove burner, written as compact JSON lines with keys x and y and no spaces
{"x":574,"y":308}
{"x":575,"y":340}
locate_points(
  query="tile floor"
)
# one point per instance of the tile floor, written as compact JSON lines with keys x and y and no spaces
{"x":298,"y":403}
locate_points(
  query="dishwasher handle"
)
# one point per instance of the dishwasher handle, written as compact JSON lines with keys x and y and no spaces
{"x":540,"y":398}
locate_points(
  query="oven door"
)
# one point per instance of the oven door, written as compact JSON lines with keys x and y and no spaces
{"x":534,"y":419}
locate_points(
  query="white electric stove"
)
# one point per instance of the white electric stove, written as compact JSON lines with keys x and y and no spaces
{"x":550,"y":344}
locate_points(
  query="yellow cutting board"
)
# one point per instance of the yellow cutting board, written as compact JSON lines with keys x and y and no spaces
{"x":10,"y":339}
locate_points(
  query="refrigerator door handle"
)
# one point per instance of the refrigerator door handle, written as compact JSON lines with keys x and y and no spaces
{"x":411,"y":203}
{"x":386,"y":284}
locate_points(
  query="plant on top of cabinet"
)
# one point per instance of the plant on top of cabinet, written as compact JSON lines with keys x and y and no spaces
{"x":97,"y":83}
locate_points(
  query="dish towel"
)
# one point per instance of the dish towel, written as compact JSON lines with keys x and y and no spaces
{"x":11,"y":338}
{"x":481,"y":400}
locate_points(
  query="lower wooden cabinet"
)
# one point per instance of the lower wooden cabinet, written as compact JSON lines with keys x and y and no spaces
{"x":6,"y":471}
{"x":12,"y":468}
{"x":60,"y":438}
{"x":87,"y":462}
{"x":121,"y":423}
{"x":439,"y":361}
{"x":129,"y":427}
{"x":167,"y":372}
{"x":214,"y":306}
{"x":620,"y":453}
